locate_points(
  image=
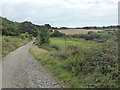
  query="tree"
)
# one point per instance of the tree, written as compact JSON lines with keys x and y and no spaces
{"x":28,"y":27}
{"x":25,"y":35}
{"x":48,"y":26}
{"x":9,"y":28}
{"x":43,"y":36}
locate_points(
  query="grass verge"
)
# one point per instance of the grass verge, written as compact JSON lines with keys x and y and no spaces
{"x":10,"y":43}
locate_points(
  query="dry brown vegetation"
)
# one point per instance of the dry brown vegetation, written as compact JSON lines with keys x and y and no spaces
{"x":77,"y":31}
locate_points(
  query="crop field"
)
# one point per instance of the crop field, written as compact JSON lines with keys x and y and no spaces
{"x":77,"y":31}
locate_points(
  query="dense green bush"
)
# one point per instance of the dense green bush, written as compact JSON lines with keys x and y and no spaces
{"x":28,"y":27}
{"x":90,"y":36}
{"x":99,"y":37}
{"x":104,"y":61}
{"x":57,"y":34}
{"x":55,"y":47}
{"x":43,"y":36}
{"x":9,"y":28}
{"x":25,"y":36}
{"x":99,"y":63}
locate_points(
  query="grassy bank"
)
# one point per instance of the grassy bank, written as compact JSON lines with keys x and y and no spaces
{"x":10,"y":43}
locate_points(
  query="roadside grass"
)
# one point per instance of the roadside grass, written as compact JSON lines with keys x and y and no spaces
{"x":60,"y":42}
{"x":10,"y":43}
{"x":55,"y":66}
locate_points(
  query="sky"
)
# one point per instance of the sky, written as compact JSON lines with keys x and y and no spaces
{"x":60,"y":13}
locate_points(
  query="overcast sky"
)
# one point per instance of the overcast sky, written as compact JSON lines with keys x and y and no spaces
{"x":70,"y":13}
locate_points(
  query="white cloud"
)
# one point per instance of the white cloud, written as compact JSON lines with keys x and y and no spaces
{"x":62,"y":12}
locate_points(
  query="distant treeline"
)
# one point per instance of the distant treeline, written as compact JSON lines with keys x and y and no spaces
{"x":91,"y":27}
{"x":10,"y":28}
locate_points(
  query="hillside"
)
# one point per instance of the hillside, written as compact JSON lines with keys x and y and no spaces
{"x":10,"y":28}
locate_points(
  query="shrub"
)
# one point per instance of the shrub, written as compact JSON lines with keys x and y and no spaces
{"x":104,"y":61}
{"x":99,"y":63}
{"x":90,"y":32}
{"x":25,"y":35}
{"x":55,"y":47}
{"x":57,"y":34}
{"x":43,"y":36}
{"x":69,"y":51}
{"x":99,"y":37}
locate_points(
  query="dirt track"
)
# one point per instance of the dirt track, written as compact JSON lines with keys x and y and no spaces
{"x":20,"y":70}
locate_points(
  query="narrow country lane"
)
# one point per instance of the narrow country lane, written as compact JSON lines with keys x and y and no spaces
{"x":20,"y":69}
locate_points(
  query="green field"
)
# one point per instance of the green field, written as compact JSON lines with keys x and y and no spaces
{"x":61,"y":43}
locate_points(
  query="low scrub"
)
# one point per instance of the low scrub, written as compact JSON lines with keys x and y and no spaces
{"x":78,"y":66}
{"x":97,"y":67}
{"x":99,"y":37}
